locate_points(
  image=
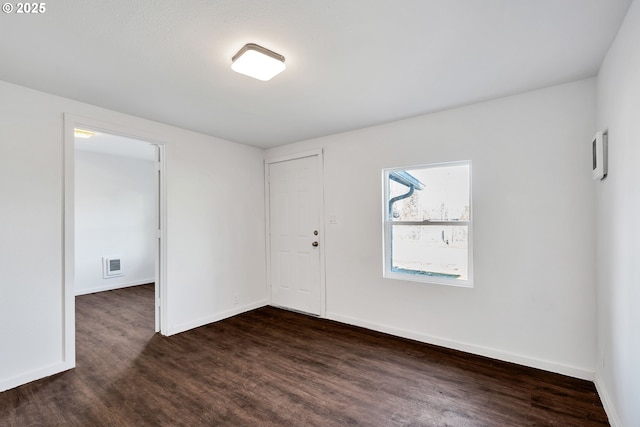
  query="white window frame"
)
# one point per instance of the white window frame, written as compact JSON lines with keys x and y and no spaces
{"x":387,"y":223}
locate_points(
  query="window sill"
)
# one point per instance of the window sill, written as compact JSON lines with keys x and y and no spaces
{"x":408,"y":277}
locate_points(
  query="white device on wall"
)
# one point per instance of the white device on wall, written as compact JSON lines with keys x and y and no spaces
{"x":599,"y":154}
{"x":111,"y":267}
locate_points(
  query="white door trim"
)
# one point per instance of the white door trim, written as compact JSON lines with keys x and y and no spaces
{"x":320,"y":164}
{"x":70,"y":122}
{"x":301,"y":155}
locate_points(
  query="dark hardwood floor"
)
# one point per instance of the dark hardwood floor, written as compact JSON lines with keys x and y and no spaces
{"x":271,"y":367}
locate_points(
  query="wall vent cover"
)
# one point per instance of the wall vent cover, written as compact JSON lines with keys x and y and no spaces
{"x":111,"y":267}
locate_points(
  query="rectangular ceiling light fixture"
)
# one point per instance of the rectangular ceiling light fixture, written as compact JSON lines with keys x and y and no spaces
{"x":81,"y":133}
{"x":258,"y":62}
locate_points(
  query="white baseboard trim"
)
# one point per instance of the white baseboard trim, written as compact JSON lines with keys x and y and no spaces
{"x":112,"y":287}
{"x":519,"y":359}
{"x":34,"y":375}
{"x":215,"y":318}
{"x":607,"y":402}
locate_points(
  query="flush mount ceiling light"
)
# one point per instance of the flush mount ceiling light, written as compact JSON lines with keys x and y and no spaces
{"x":81,"y":133}
{"x":258,"y":62}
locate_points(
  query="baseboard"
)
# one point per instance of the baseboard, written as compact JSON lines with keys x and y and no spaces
{"x":34,"y":375}
{"x":607,"y":402}
{"x":112,"y":287}
{"x":468,"y":348}
{"x":215,"y":318}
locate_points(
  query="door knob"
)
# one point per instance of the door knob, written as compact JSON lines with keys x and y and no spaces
{"x":314,"y":244}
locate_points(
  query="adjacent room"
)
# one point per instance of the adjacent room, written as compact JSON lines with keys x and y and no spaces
{"x":415,"y":213}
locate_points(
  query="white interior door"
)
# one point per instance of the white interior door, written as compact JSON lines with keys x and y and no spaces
{"x":294,"y":216}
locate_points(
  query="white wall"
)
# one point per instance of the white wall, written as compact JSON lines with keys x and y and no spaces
{"x":618,"y":237}
{"x":115,"y":216}
{"x":217,"y":190}
{"x":215,"y":228}
{"x":534,"y":296}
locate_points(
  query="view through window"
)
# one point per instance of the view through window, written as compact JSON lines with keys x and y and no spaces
{"x":428,"y":223}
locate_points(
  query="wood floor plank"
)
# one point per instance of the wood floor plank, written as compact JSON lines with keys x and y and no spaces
{"x":271,"y":367}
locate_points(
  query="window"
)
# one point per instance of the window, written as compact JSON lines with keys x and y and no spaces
{"x":427,"y":224}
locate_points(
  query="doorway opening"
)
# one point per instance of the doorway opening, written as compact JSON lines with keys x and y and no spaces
{"x":114,"y":215}
{"x":115,"y":212}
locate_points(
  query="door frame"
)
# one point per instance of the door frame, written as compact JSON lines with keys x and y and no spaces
{"x":318,"y":153}
{"x":72,"y":121}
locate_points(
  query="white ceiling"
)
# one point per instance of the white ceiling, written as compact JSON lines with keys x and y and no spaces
{"x":350,"y":63}
{"x":116,"y":145}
